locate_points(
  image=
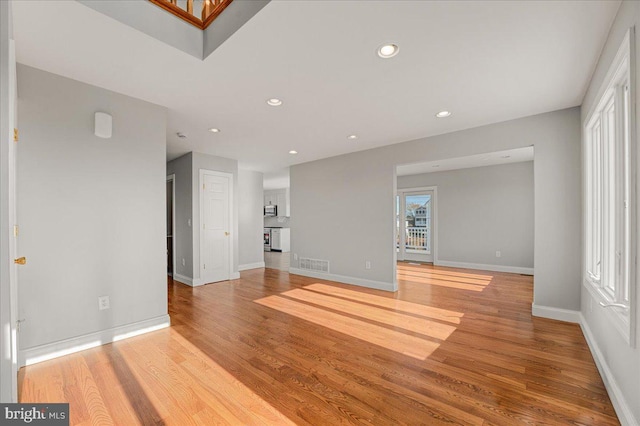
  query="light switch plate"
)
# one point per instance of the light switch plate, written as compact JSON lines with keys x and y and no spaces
{"x":103,"y":303}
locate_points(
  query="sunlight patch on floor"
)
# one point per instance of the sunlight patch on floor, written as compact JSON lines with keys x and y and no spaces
{"x":440,"y":271}
{"x":442,"y":283}
{"x":393,"y":339}
{"x":407,"y":322}
{"x":453,"y":278}
{"x":443,"y":278}
{"x":225,"y":389}
{"x":389,"y":303}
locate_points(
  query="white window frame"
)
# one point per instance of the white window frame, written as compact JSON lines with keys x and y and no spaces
{"x":609,"y":164}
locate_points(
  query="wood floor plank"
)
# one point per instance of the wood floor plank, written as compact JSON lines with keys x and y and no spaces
{"x":451,"y":346}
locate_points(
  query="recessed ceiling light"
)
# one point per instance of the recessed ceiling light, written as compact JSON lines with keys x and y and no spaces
{"x":274,"y":102}
{"x":387,"y":51}
{"x":214,"y":130}
{"x":443,"y":114}
{"x":293,"y":152}
{"x":181,"y":135}
{"x":352,"y":137}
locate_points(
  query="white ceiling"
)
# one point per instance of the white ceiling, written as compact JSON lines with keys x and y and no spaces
{"x":486,"y":61}
{"x":517,"y":155}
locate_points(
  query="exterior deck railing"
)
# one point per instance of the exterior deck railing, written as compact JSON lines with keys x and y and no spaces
{"x":184,"y":10}
{"x":417,"y":238}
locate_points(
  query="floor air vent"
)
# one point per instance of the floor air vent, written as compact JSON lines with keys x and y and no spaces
{"x":314,"y":265}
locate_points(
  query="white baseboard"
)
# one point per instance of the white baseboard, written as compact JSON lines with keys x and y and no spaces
{"x":378,"y":285}
{"x":248,"y":266}
{"x":620,"y":404}
{"x":195,"y":282}
{"x":76,"y":344}
{"x":183,"y":279}
{"x":555,"y":313}
{"x":485,"y":267}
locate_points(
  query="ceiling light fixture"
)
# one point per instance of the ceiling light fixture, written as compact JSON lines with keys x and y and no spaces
{"x":443,"y":114}
{"x":352,"y":137}
{"x":293,"y":152}
{"x":274,"y":102}
{"x":388,"y":50}
{"x":214,"y":130}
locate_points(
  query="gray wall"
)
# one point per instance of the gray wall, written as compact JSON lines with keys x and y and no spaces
{"x":157,"y":23}
{"x":250,"y":200}
{"x":153,"y":21}
{"x":7,"y":388}
{"x":481,"y":210}
{"x":328,"y":197}
{"x":183,"y":235}
{"x":219,"y":164}
{"x":227,"y":23}
{"x":621,"y":360}
{"x":91,"y":210}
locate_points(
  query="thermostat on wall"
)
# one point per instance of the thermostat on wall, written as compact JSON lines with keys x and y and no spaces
{"x":103,"y":125}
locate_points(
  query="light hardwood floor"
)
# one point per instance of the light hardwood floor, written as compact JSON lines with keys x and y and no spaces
{"x":451,"y":346}
{"x":276,"y":260}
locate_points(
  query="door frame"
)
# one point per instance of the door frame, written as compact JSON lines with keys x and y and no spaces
{"x":400,"y":192}
{"x":203,"y":173}
{"x":172,"y":178}
{"x":9,"y":280}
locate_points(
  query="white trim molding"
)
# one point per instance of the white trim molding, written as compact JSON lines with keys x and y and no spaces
{"x":76,"y":344}
{"x":184,"y":280}
{"x":248,"y":266}
{"x":558,"y":314}
{"x":196,"y":282}
{"x":484,"y":267}
{"x":620,"y":403}
{"x":378,"y":285}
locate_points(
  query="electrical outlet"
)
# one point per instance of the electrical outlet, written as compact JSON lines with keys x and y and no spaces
{"x":498,"y":253}
{"x":189,"y":222}
{"x":367,"y":264}
{"x":295,"y":256}
{"x":103,"y":302}
{"x":183,"y":262}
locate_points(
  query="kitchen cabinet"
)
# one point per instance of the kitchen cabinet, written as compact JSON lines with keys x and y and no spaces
{"x":281,"y":239}
{"x":280,"y":198}
{"x":270,"y":198}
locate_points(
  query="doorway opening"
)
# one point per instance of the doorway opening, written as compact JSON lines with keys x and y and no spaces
{"x":416,"y":224}
{"x":170,"y":206}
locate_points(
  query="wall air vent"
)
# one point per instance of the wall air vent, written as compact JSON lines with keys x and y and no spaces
{"x":316,"y":265}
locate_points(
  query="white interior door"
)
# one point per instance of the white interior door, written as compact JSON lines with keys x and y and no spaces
{"x":215,"y":237}
{"x":13,"y":246}
{"x":415,"y":222}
